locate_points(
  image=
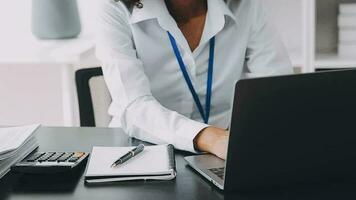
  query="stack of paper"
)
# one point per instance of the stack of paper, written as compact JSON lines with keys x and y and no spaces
{"x":15,"y":144}
{"x":347,"y":30}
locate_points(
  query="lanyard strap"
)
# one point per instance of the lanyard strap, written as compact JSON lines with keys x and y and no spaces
{"x":205,"y":115}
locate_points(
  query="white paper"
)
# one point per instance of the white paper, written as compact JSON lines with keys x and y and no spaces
{"x":347,"y":36}
{"x":348,"y":8}
{"x":20,"y":154}
{"x":14,"y":137}
{"x":347,"y":21}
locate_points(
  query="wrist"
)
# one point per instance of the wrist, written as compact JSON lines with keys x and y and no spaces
{"x":207,"y":138}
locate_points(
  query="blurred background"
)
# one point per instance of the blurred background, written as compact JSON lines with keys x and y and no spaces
{"x":37,"y":76}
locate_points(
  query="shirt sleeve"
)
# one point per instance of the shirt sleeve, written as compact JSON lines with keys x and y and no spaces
{"x":133,"y":106}
{"x":266,"y":54}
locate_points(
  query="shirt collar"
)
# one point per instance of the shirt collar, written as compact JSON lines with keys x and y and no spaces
{"x":223,"y":7}
{"x":216,"y":19}
{"x":156,"y":9}
{"x":152,"y":9}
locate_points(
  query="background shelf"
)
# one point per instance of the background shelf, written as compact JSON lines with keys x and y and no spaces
{"x":327,"y":37}
{"x":334,"y":61}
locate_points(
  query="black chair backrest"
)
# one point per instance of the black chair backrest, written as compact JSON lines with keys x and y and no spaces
{"x":86,"y":111}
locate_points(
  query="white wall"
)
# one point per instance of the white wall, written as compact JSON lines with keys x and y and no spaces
{"x":14,"y":19}
{"x":30,"y":94}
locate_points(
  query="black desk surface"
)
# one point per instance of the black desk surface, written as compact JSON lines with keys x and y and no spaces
{"x":187,"y":185}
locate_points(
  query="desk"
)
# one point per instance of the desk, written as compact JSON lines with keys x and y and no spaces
{"x":187,"y":185}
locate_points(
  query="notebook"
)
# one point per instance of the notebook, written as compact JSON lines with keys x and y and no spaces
{"x":153,"y":163}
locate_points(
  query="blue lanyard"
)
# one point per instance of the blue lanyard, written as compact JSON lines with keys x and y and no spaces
{"x":205,"y":115}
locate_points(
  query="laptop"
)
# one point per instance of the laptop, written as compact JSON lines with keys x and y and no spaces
{"x":288,"y":130}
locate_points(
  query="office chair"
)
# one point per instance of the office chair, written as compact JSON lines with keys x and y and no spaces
{"x":93,"y":97}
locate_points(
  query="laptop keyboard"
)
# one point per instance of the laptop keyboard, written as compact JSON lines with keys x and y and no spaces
{"x":218,"y":171}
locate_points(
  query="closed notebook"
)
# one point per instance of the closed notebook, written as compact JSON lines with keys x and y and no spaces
{"x":153,"y":163}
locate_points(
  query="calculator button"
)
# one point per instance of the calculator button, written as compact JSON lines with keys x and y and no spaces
{"x":65,"y":157}
{"x":34,"y":157}
{"x":78,"y":154}
{"x":46,"y":157}
{"x":55,"y":157}
{"x":73,"y":159}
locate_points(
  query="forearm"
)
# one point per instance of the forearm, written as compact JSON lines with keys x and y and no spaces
{"x":148,"y":120}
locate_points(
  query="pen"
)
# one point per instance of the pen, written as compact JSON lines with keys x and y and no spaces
{"x":129,"y":155}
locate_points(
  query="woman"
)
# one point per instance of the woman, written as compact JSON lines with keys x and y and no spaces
{"x":171,"y":66}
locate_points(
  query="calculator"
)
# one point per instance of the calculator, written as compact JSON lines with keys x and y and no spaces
{"x":50,"y":162}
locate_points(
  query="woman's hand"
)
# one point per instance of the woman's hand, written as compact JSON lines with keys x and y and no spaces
{"x":212,"y":140}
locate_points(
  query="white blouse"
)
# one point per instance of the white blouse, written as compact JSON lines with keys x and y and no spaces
{"x":151,"y":100}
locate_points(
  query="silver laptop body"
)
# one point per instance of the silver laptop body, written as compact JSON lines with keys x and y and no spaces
{"x":209,"y":166}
